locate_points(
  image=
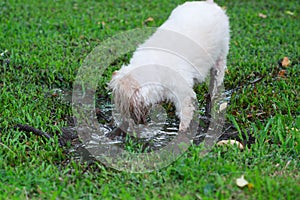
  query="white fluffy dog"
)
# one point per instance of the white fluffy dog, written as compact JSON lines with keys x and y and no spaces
{"x":191,"y":43}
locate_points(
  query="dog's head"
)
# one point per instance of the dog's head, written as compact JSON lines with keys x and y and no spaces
{"x":128,"y":98}
{"x":138,"y":110}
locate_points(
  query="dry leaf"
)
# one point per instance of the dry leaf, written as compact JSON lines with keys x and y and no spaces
{"x":54,"y":95}
{"x":231,"y":142}
{"x":250,"y":186}
{"x":282,"y":73}
{"x":262,"y":15}
{"x":241,"y":182}
{"x":256,"y":115}
{"x":149,"y":19}
{"x":285,"y":62}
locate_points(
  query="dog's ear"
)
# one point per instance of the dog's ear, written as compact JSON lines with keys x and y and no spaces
{"x":138,"y":110}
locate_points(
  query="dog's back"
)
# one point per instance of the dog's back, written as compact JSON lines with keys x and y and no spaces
{"x":196,"y":33}
{"x":204,"y":22}
{"x":194,"y":40}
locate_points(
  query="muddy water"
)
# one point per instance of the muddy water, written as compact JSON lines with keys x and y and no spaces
{"x":161,"y":128}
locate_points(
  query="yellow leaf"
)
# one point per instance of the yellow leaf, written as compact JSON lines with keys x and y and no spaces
{"x":250,"y":186}
{"x":149,"y":19}
{"x":285,"y":62}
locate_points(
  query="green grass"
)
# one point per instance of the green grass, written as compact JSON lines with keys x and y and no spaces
{"x":43,"y":44}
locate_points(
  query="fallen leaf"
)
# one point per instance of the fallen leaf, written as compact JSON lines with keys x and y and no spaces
{"x":256,"y":115}
{"x":282,"y":73}
{"x":250,"y":186}
{"x":231,"y":142}
{"x":241,"y":182}
{"x":285,"y":62}
{"x":54,"y":95}
{"x":262,"y":15}
{"x":149,"y":19}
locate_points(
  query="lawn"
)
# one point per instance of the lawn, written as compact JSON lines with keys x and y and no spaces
{"x":44,"y":43}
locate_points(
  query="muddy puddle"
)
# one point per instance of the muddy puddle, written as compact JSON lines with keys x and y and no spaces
{"x":162,"y":127}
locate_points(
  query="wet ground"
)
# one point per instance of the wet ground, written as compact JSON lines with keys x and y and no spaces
{"x":162,"y":127}
{"x":157,"y":133}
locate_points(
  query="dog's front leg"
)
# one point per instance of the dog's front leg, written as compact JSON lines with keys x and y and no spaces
{"x":188,"y":108}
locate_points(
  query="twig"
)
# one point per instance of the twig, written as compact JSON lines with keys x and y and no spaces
{"x":256,"y":80}
{"x":27,"y":128}
{"x":35,"y":131}
{"x":246,"y":84}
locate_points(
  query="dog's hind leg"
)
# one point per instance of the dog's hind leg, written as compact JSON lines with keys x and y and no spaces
{"x":215,"y":85}
{"x":217,"y":77}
